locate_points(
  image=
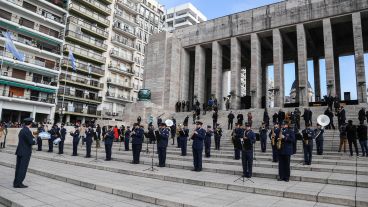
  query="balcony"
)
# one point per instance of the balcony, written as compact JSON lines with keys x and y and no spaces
{"x":123,"y":43}
{"x":125,"y":30}
{"x":119,"y":83}
{"x":125,"y":17}
{"x":122,"y":71}
{"x":84,"y":67}
{"x":74,"y":97}
{"x":119,"y":97}
{"x":87,"y":27}
{"x":96,"y":5}
{"x":30,"y":64}
{"x":58,"y":3}
{"x":122,"y":56}
{"x":89,"y":14}
{"x":86,"y":54}
{"x":86,"y":40}
{"x":85,"y":82}
{"x":28,"y":84}
{"x":130,"y":6}
{"x":48,"y":100}
{"x":111,"y":114}
{"x":107,"y":1}
{"x":80,"y":112}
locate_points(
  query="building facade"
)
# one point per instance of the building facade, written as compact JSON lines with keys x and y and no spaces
{"x":28,"y":89}
{"x":190,"y":62}
{"x":182,"y":16}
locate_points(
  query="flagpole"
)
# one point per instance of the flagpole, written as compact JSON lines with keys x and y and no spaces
{"x":2,"y":58}
{"x":62,"y":103}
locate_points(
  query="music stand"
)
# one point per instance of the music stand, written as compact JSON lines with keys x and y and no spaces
{"x":243,"y":179}
{"x":96,"y":160}
{"x":153,"y":153}
{"x":120,"y":146}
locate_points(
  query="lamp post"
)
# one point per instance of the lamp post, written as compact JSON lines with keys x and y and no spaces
{"x":361,"y":84}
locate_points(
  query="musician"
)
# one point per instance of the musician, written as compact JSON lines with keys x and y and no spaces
{"x":240,"y":118}
{"x":248,"y":140}
{"x":218,"y":135}
{"x":163,"y":135}
{"x":273,"y":137}
{"x":126,"y":138}
{"x":109,"y":139}
{"x":284,"y":153}
{"x":23,"y":152}
{"x":197,"y":146}
{"x":263,"y":136}
{"x":186,"y":120}
{"x":76,"y":137}
{"x":237,"y":134}
{"x":214,"y":119}
{"x":62,"y":137}
{"x":308,"y":135}
{"x":173,"y":132}
{"x":183,"y":138}
{"x":207,"y":141}
{"x":39,"y":140}
{"x":319,"y":139}
{"x":137,"y":140}
{"x":89,"y":140}
{"x":55,"y":133}
{"x":230,"y":120}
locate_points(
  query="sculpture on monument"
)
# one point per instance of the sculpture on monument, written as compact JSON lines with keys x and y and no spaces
{"x":144,"y":95}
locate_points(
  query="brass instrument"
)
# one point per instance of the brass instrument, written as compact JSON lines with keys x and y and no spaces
{"x":273,"y":137}
{"x":35,"y":133}
{"x":279,"y":140}
{"x":306,"y":141}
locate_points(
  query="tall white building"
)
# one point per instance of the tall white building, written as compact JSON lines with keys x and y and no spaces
{"x":182,"y":16}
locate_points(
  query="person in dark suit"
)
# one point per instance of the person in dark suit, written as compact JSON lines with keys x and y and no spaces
{"x":197,"y":146}
{"x":240,"y":118}
{"x":361,"y":115}
{"x":308,"y":136}
{"x":341,"y":116}
{"x":288,"y":139}
{"x":214,"y":119}
{"x":306,"y":117}
{"x":109,"y":139}
{"x":62,"y":137}
{"x":237,"y":134}
{"x":39,"y":140}
{"x":248,"y":140}
{"x":266,"y":119}
{"x":275,"y":116}
{"x":319,"y":139}
{"x":230,"y":120}
{"x":186,"y":120}
{"x":263,"y":136}
{"x":162,"y":141}
{"x":362,"y":136}
{"x":127,"y":138}
{"x":23,"y":152}
{"x":207,"y":142}
{"x":281,"y":116}
{"x":218,"y":135}
{"x":89,"y":140}
{"x":54,"y":132}
{"x":183,"y":138}
{"x":351,"y":133}
{"x":330,"y":115}
{"x":137,"y":140}
{"x":76,"y":138}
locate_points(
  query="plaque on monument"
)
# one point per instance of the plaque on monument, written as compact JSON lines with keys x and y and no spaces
{"x":144,"y":95}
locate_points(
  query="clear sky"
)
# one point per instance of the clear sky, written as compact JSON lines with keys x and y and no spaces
{"x":217,"y":8}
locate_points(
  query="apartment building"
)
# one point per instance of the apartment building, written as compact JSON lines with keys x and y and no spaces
{"x":182,"y":16}
{"x":87,"y":32}
{"x":28,"y":89}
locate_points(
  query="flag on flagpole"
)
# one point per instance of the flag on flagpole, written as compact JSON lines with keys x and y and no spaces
{"x":72,"y":60}
{"x":9,"y":45}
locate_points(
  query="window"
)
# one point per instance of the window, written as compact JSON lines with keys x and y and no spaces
{"x":19,"y":74}
{"x":29,"y":6}
{"x":4,"y":14}
{"x":15,"y":91}
{"x":26,"y":23}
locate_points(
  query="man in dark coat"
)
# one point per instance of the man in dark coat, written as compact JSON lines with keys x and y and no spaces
{"x":62,"y":137}
{"x":137,"y":140}
{"x":54,"y":132}
{"x":330,"y":115}
{"x":230,"y":120}
{"x":275,"y":116}
{"x":362,"y":136}
{"x":341,"y":116}
{"x":306,"y":117}
{"x":109,"y":139}
{"x":288,"y":139}
{"x":249,"y":140}
{"x":263,"y":137}
{"x":218,"y":135}
{"x":214,"y":119}
{"x":281,"y":116}
{"x":76,"y":138}
{"x":266,"y":119}
{"x":197,"y":146}
{"x":89,"y":140}
{"x":23,"y":152}
{"x":183,"y":138}
{"x":361,"y":115}
{"x":186,"y":120}
{"x":162,"y":141}
{"x":351,"y":133}
{"x":237,"y":134}
{"x":207,"y":142}
{"x":240,"y":119}
{"x":127,"y":138}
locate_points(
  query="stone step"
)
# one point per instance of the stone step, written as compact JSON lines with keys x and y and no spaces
{"x":45,"y":191}
{"x":296,"y":175}
{"x":169,"y":193}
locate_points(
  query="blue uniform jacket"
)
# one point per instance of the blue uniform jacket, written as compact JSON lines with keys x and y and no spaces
{"x":164,"y":138}
{"x":109,"y":137}
{"x":75,"y":136}
{"x":263,"y":134}
{"x":199,"y":138}
{"x":137,"y":136}
{"x":26,"y":140}
{"x":308,"y":133}
{"x":208,"y":136}
{"x":289,"y":139}
{"x":89,"y":135}
{"x":251,"y":137}
{"x":62,"y":134}
{"x":320,"y":136}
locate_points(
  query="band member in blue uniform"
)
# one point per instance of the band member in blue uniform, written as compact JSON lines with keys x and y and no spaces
{"x":76,"y":138}
{"x":109,"y":139}
{"x":39,"y":140}
{"x":207,"y":142}
{"x":23,"y":152}
{"x":248,"y":140}
{"x":218,"y":135}
{"x":319,"y":139}
{"x":236,"y":135}
{"x":62,"y":137}
{"x":127,"y":138}
{"x":308,"y":135}
{"x":162,"y":135}
{"x":183,"y":137}
{"x":273,"y":137}
{"x":137,"y":140}
{"x":285,"y":151}
{"x":197,"y":146}
{"x":89,"y":140}
{"x":263,"y":136}
{"x":55,"y":133}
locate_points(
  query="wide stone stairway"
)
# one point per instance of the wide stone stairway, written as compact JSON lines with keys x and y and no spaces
{"x":333,"y":179}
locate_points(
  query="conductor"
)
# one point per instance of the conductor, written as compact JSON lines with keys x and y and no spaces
{"x":23,"y":152}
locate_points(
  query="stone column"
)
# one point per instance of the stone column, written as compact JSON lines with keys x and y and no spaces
{"x":256,"y":71}
{"x":337,"y":77}
{"x":235,"y":73}
{"x":184,"y":74}
{"x":359,"y":58}
{"x":317,"y":79}
{"x":216,"y":81}
{"x":278,"y":68}
{"x":199,"y":73}
{"x":329,"y":57}
{"x":302,"y":65}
